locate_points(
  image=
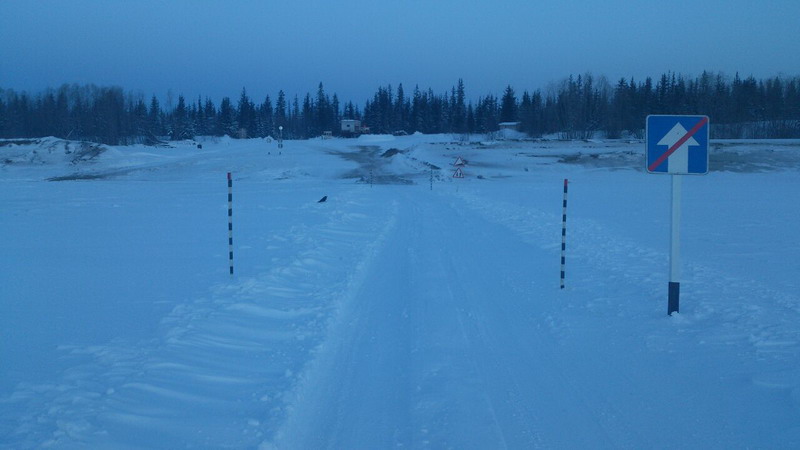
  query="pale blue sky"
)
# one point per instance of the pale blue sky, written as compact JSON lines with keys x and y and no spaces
{"x":214,"y":48}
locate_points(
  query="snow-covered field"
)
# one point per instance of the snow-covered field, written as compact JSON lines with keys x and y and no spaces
{"x":395,"y":314}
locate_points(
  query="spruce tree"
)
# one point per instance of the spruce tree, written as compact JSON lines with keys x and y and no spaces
{"x":526,"y":114}
{"x":246,"y":116}
{"x":295,"y":120}
{"x":335,"y":114}
{"x":281,"y":112}
{"x":400,"y":110}
{"x":226,"y":121}
{"x":154,"y":118}
{"x":3,"y":117}
{"x":266,"y":121}
{"x":139,"y":121}
{"x":508,"y":108}
{"x":458,"y":115}
{"x":210,"y":117}
{"x":180,"y":122}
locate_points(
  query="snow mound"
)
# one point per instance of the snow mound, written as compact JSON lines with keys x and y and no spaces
{"x":511,"y":134}
{"x":375,"y":138}
{"x":49,"y":151}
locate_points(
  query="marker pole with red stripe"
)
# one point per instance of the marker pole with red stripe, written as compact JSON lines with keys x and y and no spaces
{"x":564,"y":234}
{"x":230,"y":222}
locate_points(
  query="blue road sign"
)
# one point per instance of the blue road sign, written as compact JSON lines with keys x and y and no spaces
{"x":677,"y":145}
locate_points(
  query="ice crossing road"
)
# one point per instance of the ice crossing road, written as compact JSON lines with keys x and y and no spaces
{"x":392,"y":315}
{"x":442,"y":345}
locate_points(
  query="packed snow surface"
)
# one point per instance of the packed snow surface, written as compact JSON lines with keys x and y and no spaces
{"x":409,"y":310}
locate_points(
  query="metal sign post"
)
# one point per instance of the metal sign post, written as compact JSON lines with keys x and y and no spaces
{"x":676,"y":145}
{"x":674,"y":290}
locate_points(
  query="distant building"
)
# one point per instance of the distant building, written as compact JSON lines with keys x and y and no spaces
{"x":351,"y":126}
{"x":508,"y":130}
{"x":509,"y":125}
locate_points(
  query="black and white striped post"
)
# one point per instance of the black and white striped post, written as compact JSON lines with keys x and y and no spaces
{"x":564,"y":234}
{"x":230,"y":222}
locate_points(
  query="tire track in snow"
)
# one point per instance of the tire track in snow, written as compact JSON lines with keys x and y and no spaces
{"x":527,"y":378}
{"x":340,"y":401}
{"x":484,"y":376}
{"x":218,"y":374}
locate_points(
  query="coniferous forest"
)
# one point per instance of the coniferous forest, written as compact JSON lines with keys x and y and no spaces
{"x":578,"y":107}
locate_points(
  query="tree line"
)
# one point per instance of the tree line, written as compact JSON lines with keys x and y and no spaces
{"x":578,"y":107}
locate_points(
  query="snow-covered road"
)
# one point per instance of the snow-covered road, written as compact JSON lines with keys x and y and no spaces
{"x":460,"y":338}
{"x":438,"y":346}
{"x":391,"y":315}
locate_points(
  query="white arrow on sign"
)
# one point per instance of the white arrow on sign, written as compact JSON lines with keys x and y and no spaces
{"x":679,"y":160}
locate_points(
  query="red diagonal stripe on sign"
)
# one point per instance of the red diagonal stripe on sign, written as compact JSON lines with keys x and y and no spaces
{"x":678,"y":144}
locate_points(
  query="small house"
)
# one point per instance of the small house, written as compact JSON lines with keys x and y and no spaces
{"x":514,"y":126}
{"x":351,"y":126}
{"x":509,"y":130}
